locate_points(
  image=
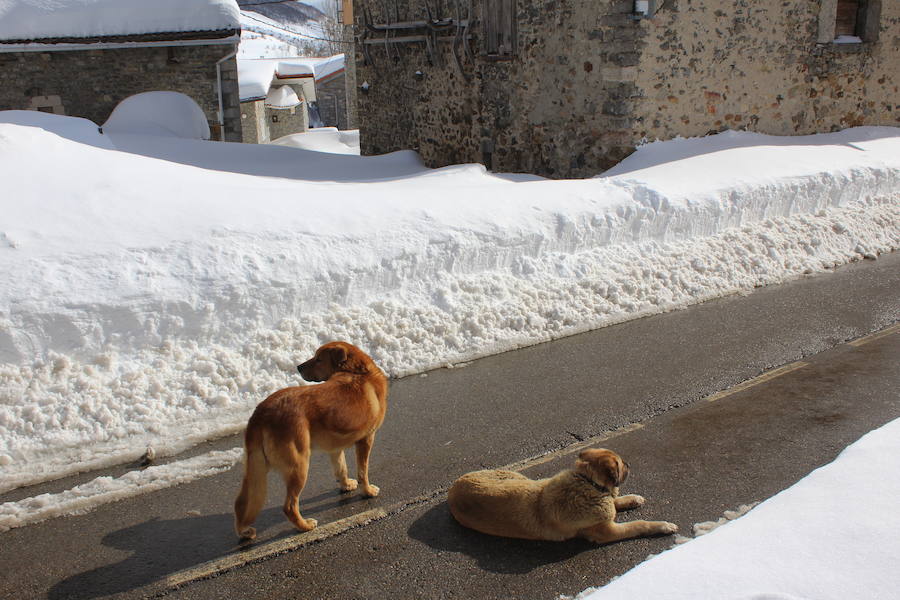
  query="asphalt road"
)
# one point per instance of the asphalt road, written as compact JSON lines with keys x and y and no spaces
{"x":641,"y":388}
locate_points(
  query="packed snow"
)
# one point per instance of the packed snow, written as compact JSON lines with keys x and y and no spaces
{"x":42,"y":19}
{"x":154,"y":294}
{"x":323,"y":139}
{"x":831,"y":536}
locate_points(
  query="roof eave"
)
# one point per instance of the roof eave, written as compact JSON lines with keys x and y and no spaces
{"x":188,"y":38}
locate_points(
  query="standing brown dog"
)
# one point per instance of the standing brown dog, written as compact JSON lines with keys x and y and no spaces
{"x":288,"y":425}
{"x":579,"y":502}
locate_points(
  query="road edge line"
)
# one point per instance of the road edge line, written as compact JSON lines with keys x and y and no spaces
{"x":754,"y":381}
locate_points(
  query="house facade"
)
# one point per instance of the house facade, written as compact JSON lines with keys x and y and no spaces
{"x":569,"y":88}
{"x":85,"y":69}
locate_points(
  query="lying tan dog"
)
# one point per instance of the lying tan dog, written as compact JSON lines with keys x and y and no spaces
{"x":288,"y":425}
{"x":579,"y":502}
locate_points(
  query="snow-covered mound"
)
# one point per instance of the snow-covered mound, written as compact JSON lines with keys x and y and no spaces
{"x":149,"y":302}
{"x":159,"y":113}
{"x":323,"y":139}
{"x":76,"y":129}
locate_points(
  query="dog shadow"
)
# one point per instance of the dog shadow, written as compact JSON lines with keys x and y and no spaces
{"x":439,"y":530}
{"x":161,"y":547}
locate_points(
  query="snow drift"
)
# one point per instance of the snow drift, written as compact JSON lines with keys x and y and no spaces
{"x":151,"y":300}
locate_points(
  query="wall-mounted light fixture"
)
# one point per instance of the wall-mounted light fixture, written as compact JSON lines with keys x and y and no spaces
{"x":644,"y":9}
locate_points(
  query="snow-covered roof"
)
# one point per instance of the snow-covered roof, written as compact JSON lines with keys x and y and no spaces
{"x":27,"y":20}
{"x":328,"y":67}
{"x":255,"y":76}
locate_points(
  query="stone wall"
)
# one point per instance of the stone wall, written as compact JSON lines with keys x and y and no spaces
{"x":350,"y":84}
{"x":765,"y":65}
{"x":558,"y":107}
{"x":90,"y":83}
{"x":285,"y":121}
{"x":254,"y":127}
{"x":588,"y":82}
{"x":331,"y":97}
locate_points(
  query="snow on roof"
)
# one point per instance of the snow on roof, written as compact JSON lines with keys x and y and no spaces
{"x":51,"y":19}
{"x":282,"y":96}
{"x":326,"y":67}
{"x":255,"y":75}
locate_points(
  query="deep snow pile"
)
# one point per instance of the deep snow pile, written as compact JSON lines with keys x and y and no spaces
{"x":833,"y":535}
{"x":168,"y":114}
{"x":148,"y":302}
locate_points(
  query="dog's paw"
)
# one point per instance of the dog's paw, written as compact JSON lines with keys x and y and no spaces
{"x":371,"y":491}
{"x":349,"y":485}
{"x":666,"y":528}
{"x":308,"y":525}
{"x":629,"y":502}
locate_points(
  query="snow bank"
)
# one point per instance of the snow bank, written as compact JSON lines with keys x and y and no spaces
{"x":103,"y":490}
{"x":39,"y":19}
{"x":149,"y":302}
{"x":831,"y":536}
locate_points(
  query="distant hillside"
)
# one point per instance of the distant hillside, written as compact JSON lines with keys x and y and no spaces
{"x":284,"y":28}
{"x":288,"y":12}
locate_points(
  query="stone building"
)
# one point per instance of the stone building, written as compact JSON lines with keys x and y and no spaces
{"x":275,"y":97}
{"x":569,"y":88}
{"x":314,"y":86}
{"x":79,"y":64}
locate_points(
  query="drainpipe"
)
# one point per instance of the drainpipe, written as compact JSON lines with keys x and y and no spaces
{"x":221,"y":114}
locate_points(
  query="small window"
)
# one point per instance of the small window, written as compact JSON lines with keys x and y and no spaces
{"x":499,"y":27}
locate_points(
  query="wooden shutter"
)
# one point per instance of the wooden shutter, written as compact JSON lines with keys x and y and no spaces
{"x":847,"y":11}
{"x":499,"y":27}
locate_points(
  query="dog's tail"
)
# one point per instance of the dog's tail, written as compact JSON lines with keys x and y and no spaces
{"x":252,"y":496}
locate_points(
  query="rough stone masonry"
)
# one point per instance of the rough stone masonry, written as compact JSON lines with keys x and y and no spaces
{"x":586,"y":81}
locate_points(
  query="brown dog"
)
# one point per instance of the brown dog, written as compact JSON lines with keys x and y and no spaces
{"x":579,"y":502}
{"x":288,"y":425}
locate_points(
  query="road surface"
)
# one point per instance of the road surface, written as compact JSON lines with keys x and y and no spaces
{"x":715,"y":406}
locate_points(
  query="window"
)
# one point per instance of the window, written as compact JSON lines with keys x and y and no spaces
{"x":499,"y":27}
{"x":849,"y":21}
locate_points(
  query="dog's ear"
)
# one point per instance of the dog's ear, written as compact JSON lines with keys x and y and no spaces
{"x":348,"y":361}
{"x":604,"y":465}
{"x":337,"y":355}
{"x":622,"y":468}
